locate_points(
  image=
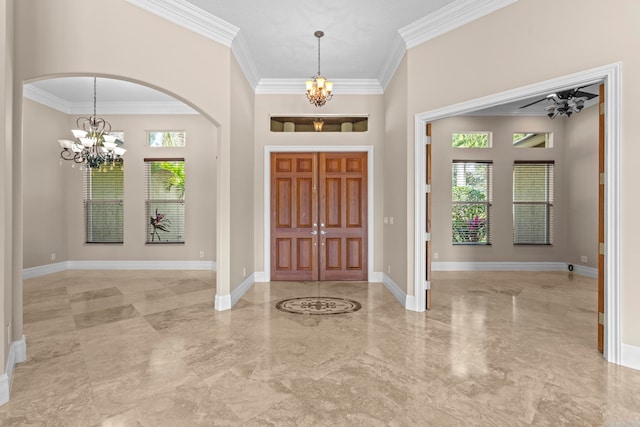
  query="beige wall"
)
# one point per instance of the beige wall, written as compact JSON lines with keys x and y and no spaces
{"x":526,"y":56}
{"x":266,"y":105}
{"x":395,"y":178}
{"x":582,"y":180}
{"x":242,"y":176}
{"x":45,"y":185}
{"x":145,"y":49}
{"x":200,"y":175}
{"x":503,"y":155}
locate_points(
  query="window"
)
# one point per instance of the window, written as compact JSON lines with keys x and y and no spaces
{"x":103,"y":204}
{"x":532,"y":140}
{"x":165,"y":188}
{"x":164,"y":138}
{"x":471,"y":140}
{"x":532,"y":203}
{"x":471,"y":189}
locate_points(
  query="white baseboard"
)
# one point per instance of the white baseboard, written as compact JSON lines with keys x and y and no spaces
{"x":376,"y":277}
{"x":585,"y":271}
{"x":43,"y":270}
{"x":222,"y":302}
{"x":142,"y":265}
{"x":29,"y":273}
{"x":225,"y":302}
{"x":17,"y":354}
{"x":241,"y":289}
{"x":498,"y":266}
{"x":630,"y":356}
{"x":407,"y":301}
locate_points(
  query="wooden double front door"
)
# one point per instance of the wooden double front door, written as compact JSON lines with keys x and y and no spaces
{"x":319,"y":216}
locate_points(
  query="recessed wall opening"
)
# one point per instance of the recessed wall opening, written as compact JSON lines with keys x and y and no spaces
{"x":319,"y":123}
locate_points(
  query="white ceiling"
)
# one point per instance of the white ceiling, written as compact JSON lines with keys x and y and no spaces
{"x":275,"y":46}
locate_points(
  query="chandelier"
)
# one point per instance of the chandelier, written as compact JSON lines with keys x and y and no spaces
{"x":93,"y":147}
{"x":319,"y":89}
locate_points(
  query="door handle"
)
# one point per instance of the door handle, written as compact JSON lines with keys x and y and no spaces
{"x":314,"y":232}
{"x":323,"y":232}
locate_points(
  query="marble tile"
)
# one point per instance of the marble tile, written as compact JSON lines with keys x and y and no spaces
{"x":109,"y":315}
{"x":92,"y":295}
{"x":163,"y":304}
{"x":185,"y":286}
{"x":119,"y":300}
{"x":497,"y":348}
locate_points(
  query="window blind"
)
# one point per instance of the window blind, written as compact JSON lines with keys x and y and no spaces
{"x":103,"y":194}
{"x":164,"y":200}
{"x":533,"y":203}
{"x":472,"y":192}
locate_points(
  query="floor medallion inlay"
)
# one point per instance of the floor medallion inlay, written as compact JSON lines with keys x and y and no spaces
{"x":318,"y":305}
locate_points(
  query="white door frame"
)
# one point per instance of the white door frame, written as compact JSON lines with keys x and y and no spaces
{"x":317,"y":149}
{"x":611,"y":75}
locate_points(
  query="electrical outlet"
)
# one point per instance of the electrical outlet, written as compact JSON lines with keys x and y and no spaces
{"x":201,"y":254}
{"x":583,"y":258}
{"x":389,"y":269}
{"x":386,"y":220}
{"x":391,"y":220}
{"x":53,"y":256}
{"x":436,"y":255}
{"x":244,"y":271}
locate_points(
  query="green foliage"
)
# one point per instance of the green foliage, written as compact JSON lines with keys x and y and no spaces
{"x":469,"y":220}
{"x":173,"y":175}
{"x":470,"y":140}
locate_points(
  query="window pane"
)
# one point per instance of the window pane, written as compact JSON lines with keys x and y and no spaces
{"x":162,"y":138}
{"x":471,"y":140}
{"x":531,"y":140}
{"x":103,"y":204}
{"x":532,"y":203}
{"x":165,"y":192}
{"x":471,"y":198}
{"x":470,"y":224}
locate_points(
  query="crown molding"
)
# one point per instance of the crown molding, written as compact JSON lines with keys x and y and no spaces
{"x":133,"y":107}
{"x":241,"y":51}
{"x":448,"y":18}
{"x":398,"y":49}
{"x":192,"y":18}
{"x":340,"y":87}
{"x":45,"y":98}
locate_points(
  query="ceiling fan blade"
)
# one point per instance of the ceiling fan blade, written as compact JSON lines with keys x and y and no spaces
{"x":534,"y":102}
{"x":587,"y":95}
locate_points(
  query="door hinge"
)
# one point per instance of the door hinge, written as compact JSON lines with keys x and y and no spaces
{"x":427,"y":140}
{"x":427,"y":237}
{"x":600,"y":318}
{"x":427,"y":188}
{"x":601,"y":249}
{"x":602,"y":178}
{"x":602,"y":108}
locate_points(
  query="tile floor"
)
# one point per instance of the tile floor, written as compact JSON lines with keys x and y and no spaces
{"x":146,"y":348}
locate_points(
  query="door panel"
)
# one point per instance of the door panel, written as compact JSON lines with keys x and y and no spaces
{"x":294,"y":249}
{"x":319,"y":216}
{"x":343,"y":216}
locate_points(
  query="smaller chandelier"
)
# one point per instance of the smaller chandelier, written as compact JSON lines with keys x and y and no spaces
{"x":319,"y":89}
{"x":93,"y":147}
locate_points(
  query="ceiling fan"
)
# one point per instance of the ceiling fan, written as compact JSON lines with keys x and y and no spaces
{"x":565,"y":102}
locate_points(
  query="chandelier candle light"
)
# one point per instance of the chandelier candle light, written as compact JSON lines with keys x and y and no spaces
{"x":319,"y":89}
{"x":93,"y":146}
